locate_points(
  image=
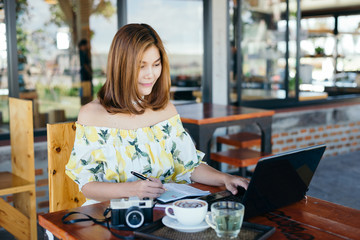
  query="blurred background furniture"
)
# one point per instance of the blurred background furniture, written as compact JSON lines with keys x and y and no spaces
{"x":243,"y":155}
{"x":19,"y":219}
{"x":240,"y":140}
{"x":63,"y":192}
{"x":202,"y":119}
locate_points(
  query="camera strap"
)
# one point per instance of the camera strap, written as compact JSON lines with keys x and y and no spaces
{"x":103,"y":222}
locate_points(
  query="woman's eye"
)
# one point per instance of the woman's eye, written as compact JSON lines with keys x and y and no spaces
{"x":157,"y":64}
{"x":142,"y":66}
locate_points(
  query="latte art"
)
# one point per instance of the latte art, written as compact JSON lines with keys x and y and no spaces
{"x":189,"y":204}
{"x":189,"y":212}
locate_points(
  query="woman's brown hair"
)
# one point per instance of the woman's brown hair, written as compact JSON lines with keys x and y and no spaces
{"x":120,"y":94}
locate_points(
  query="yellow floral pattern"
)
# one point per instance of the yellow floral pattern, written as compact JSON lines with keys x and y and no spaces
{"x":164,"y":150}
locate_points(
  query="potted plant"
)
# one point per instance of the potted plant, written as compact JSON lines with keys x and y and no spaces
{"x":319,"y":51}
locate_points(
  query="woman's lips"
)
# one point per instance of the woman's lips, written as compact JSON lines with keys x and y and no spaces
{"x":146,"y":84}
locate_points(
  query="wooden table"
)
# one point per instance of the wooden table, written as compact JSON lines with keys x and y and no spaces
{"x":309,"y":218}
{"x":202,"y":119}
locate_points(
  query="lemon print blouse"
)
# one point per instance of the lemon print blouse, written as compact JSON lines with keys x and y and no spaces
{"x":164,"y":150}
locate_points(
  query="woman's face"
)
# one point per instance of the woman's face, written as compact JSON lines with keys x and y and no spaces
{"x":150,"y":70}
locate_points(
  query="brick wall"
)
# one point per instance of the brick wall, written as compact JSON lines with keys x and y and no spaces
{"x":338,"y":128}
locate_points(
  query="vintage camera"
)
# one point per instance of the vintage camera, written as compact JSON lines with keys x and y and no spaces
{"x":131,"y":212}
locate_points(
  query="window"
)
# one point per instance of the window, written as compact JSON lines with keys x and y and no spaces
{"x":48,"y":54}
{"x":265,"y":66}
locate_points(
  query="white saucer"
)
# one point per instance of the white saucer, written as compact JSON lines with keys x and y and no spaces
{"x":173,"y":223}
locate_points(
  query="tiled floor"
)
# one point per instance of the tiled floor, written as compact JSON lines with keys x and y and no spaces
{"x":336,"y":180}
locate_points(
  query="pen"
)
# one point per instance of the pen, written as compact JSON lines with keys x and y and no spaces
{"x":139,"y":175}
{"x":142,"y":177}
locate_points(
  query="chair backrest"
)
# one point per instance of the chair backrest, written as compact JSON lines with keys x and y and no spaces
{"x":22,"y":138}
{"x":63,"y":191}
{"x":21,"y":216}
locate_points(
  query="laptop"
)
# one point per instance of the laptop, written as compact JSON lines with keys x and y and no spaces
{"x":277,"y":181}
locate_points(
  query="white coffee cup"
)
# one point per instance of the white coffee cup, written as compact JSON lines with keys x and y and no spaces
{"x":188,"y":211}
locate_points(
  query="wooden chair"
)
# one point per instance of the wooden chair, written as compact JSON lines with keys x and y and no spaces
{"x":20,"y":219}
{"x":241,"y":157}
{"x":63,"y":191}
{"x":240,"y":140}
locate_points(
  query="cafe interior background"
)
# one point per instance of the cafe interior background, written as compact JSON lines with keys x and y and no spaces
{"x":299,"y":58}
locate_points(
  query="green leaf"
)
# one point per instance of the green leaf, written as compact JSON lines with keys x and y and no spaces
{"x":104,"y":135}
{"x":179,"y":161}
{"x":176,"y":154}
{"x":133,"y":143}
{"x":173,"y":148}
{"x":97,"y":169}
{"x":167,"y":173}
{"x":189,"y":165}
{"x":167,"y":129}
{"x":144,"y":154}
{"x":137,"y":149}
{"x":136,"y":155}
{"x":147,"y":169}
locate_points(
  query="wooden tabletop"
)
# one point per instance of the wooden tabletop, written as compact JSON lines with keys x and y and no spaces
{"x":310,"y":218}
{"x":313,"y":218}
{"x":205,"y":113}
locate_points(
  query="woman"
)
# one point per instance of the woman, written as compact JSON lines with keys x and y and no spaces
{"x":133,"y":126}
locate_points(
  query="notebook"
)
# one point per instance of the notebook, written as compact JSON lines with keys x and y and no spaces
{"x":278,"y":180}
{"x":175,"y":191}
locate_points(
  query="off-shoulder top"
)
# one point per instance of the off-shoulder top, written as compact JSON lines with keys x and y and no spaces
{"x":164,"y":150}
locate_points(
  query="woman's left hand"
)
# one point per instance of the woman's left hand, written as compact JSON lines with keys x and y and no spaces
{"x":233,"y":182}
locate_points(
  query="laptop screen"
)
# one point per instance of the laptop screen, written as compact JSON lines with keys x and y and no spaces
{"x":281,"y":179}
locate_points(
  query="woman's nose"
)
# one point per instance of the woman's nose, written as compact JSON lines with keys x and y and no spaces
{"x":149,"y":72}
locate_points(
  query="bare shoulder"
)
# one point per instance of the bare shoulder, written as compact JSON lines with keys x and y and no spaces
{"x":170,"y":109}
{"x":168,"y":112}
{"x":92,"y":113}
{"x":151,"y":117}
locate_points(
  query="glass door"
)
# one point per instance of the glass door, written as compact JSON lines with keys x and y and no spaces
{"x":263,"y":41}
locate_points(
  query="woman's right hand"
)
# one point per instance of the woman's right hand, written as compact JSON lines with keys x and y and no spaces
{"x":152,"y":188}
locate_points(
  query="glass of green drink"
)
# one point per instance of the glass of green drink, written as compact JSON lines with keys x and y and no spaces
{"x":226,"y":218}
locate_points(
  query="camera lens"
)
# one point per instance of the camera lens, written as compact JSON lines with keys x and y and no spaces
{"x":134,"y":217}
